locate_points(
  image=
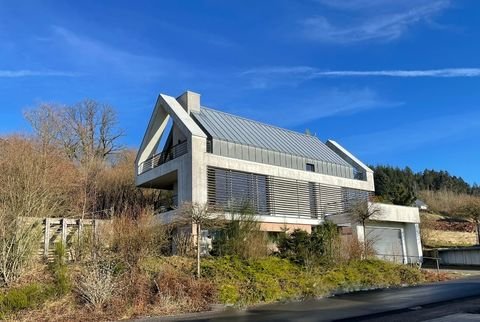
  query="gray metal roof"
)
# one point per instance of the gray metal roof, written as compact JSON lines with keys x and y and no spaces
{"x":232,"y":128}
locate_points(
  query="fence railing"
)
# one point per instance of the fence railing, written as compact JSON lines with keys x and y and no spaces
{"x":163,"y":157}
{"x":410,"y":259}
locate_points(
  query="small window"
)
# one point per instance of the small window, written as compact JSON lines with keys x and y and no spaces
{"x":310,"y":167}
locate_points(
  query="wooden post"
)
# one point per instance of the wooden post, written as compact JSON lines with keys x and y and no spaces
{"x":80,"y":229}
{"x":94,"y":223}
{"x":64,"y":232}
{"x":199,"y":249}
{"x":46,"y":237}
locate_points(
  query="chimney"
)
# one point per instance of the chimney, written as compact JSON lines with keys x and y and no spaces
{"x":190,"y":101}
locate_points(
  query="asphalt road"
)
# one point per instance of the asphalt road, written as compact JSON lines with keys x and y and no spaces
{"x":438,"y":300}
{"x":419,"y":303}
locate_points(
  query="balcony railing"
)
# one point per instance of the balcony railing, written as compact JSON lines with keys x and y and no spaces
{"x":163,"y":157}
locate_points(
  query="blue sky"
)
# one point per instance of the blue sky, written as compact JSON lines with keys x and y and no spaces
{"x":395,"y":82}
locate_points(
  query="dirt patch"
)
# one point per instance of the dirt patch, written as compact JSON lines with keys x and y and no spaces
{"x":453,"y":225}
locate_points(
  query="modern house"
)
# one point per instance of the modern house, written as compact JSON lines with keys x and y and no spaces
{"x":289,"y":179}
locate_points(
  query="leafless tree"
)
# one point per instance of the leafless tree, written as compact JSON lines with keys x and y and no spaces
{"x":87,"y":132}
{"x":199,"y":216}
{"x":29,"y":187}
{"x":471,"y":210}
{"x":361,"y":211}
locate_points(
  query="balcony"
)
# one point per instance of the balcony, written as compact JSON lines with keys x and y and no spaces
{"x":158,"y":159}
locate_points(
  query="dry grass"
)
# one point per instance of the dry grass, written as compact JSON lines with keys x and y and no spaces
{"x":437,"y":238}
{"x":445,"y":202}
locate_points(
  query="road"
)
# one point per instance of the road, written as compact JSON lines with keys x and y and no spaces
{"x":457,"y":300}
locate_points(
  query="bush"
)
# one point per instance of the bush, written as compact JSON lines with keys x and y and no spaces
{"x":309,"y":250}
{"x":97,"y":284}
{"x":245,"y":282}
{"x":241,"y":237}
{"x":135,"y":239}
{"x":25,"y":297}
{"x":60,"y":270}
{"x":180,"y":292}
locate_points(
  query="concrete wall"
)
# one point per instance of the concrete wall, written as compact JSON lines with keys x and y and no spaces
{"x":397,"y":213}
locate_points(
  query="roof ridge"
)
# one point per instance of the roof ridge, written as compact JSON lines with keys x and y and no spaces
{"x":262,"y":123}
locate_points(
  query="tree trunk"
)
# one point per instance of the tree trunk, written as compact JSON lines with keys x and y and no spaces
{"x":198,"y":250}
{"x":478,"y":232}
{"x":364,"y":255}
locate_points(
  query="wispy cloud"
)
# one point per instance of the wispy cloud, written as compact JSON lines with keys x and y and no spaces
{"x":273,"y":76}
{"x":407,"y":137}
{"x":36,"y":73}
{"x":321,"y":104}
{"x":387,"y":22}
{"x":446,"y":72}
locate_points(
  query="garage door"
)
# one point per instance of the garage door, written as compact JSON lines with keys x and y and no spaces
{"x":387,"y":242}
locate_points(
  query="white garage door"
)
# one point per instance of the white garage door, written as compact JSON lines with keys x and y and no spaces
{"x":387,"y":242}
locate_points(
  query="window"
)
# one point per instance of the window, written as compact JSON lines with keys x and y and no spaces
{"x":310,"y":167}
{"x":235,"y":190}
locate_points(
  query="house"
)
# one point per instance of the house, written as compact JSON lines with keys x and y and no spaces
{"x":420,"y":204}
{"x":291,"y":180}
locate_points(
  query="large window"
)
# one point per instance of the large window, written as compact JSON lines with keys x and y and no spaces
{"x":231,"y":190}
{"x":235,"y":190}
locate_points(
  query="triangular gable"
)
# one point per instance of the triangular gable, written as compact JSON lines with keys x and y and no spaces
{"x":166,"y":107}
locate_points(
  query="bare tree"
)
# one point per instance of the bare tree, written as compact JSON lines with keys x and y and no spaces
{"x":87,"y":132}
{"x":200,"y":216}
{"x":471,"y":210}
{"x":361,"y":211}
{"x":29,"y":187}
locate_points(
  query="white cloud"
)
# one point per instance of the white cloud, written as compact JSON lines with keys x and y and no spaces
{"x":282,"y":75}
{"x":39,"y":73}
{"x":446,"y":72}
{"x":321,"y":104}
{"x":385,"y":20}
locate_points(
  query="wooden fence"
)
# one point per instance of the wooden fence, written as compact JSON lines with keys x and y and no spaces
{"x":66,"y":230}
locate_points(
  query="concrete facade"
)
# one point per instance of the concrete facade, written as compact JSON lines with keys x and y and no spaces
{"x":186,"y":174}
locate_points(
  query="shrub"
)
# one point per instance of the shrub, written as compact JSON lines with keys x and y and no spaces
{"x":19,"y":240}
{"x":24,"y":297}
{"x":97,"y":284}
{"x":320,"y":246}
{"x":241,"y":236}
{"x":135,"y":239}
{"x":180,"y":292}
{"x":244,"y":282}
{"x":60,"y":270}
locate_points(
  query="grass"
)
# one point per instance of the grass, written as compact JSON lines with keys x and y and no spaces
{"x":442,"y":238}
{"x":25,"y":297}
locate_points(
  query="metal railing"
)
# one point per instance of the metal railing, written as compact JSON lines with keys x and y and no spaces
{"x":163,"y":157}
{"x":410,"y":259}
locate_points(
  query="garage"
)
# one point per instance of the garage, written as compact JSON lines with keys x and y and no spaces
{"x":387,"y":242}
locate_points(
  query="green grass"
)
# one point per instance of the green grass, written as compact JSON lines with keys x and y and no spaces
{"x":24,"y":297}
